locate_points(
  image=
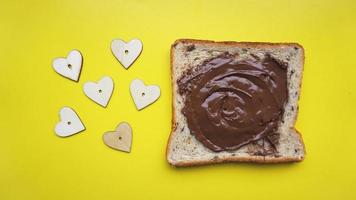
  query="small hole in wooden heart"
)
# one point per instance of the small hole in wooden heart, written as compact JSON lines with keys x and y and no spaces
{"x":69,"y":66}
{"x":69,"y":123}
{"x":120,"y":137}
{"x":143,"y":94}
{"x":100,"y":91}
{"x":126,"y":51}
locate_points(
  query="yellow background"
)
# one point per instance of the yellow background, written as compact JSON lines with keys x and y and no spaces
{"x":36,"y":164}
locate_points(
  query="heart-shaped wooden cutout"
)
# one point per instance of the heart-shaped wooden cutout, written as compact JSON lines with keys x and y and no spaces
{"x":69,"y":67}
{"x":126,"y":53}
{"x":143,"y":95}
{"x":119,"y":139}
{"x":99,"y":92}
{"x":70,"y":123}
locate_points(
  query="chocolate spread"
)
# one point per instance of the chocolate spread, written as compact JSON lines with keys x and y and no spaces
{"x":231,"y":103}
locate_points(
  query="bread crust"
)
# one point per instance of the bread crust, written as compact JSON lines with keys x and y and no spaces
{"x":250,"y":158}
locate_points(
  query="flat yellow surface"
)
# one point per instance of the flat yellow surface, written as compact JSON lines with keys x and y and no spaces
{"x":36,"y":164}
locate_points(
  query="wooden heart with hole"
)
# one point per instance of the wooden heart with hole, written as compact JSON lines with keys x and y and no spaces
{"x":119,"y":139}
{"x":126,"y":53}
{"x":143,"y":95}
{"x":69,"y":67}
{"x":70,"y":123}
{"x":99,"y":92}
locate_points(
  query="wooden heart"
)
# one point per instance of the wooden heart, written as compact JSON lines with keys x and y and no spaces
{"x":70,"y":123}
{"x":119,"y":139}
{"x":99,"y":92}
{"x":126,"y":53}
{"x":143,"y":95}
{"x":69,"y":67}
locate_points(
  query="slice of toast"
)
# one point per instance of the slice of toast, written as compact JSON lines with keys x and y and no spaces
{"x":183,"y":149}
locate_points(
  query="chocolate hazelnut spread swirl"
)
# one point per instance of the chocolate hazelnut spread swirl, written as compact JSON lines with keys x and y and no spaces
{"x":231,"y":103}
